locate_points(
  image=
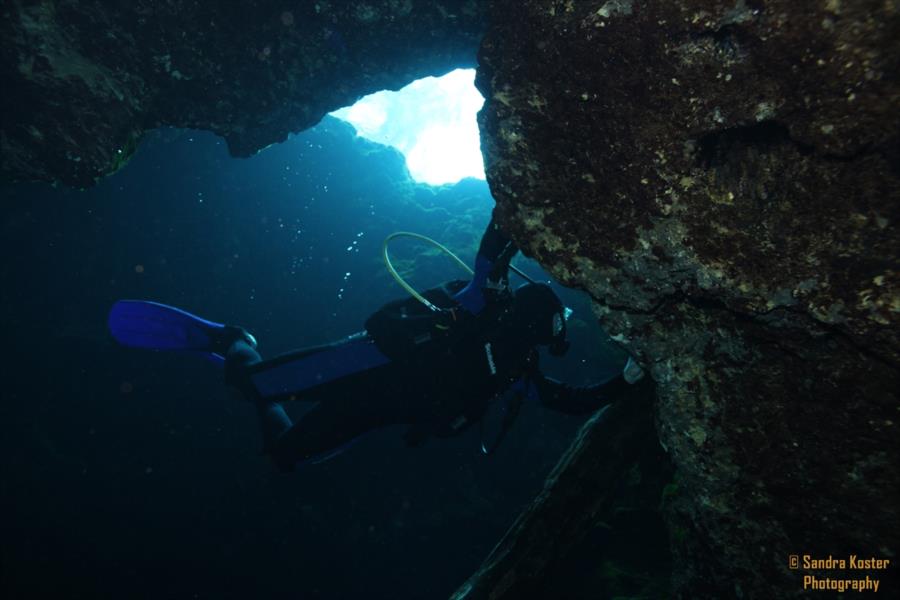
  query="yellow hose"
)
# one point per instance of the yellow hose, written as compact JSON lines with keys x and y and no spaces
{"x":409,"y":289}
{"x":390,"y":267}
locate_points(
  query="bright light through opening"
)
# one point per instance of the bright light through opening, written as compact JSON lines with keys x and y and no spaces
{"x":431,"y":121}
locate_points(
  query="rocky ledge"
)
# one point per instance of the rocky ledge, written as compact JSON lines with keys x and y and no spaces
{"x":83,"y":81}
{"x":722,"y":178}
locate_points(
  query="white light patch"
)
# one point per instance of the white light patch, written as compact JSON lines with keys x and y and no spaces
{"x":431,"y":121}
{"x":367,"y":117}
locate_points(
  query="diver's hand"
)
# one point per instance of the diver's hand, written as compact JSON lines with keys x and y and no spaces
{"x":490,"y":275}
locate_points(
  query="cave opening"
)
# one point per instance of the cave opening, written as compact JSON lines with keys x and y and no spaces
{"x":431,"y":121}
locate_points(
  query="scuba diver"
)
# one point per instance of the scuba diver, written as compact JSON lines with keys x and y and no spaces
{"x":437,"y":362}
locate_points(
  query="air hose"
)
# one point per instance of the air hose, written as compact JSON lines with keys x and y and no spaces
{"x":409,"y":289}
{"x":390,"y":267}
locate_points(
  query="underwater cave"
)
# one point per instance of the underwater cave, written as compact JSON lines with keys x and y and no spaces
{"x":712,"y":187}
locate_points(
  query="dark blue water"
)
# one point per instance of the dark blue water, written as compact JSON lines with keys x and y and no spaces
{"x":134,"y":474}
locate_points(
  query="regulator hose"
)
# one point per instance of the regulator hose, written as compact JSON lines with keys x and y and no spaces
{"x":409,"y":289}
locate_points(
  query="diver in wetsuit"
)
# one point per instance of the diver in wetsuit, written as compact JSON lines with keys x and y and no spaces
{"x":437,"y":371}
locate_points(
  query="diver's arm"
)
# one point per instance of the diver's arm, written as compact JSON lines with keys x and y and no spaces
{"x":491,"y":277}
{"x":578,"y":400}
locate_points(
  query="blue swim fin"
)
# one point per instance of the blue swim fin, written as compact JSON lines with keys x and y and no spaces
{"x":144,"y":324}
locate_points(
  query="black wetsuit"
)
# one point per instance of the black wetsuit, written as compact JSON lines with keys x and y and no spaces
{"x":440,"y":391}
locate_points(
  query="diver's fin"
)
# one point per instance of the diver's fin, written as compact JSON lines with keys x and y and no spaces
{"x":144,"y":324}
{"x":632,"y":371}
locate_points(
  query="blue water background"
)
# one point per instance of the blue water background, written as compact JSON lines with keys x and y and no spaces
{"x":134,"y":474}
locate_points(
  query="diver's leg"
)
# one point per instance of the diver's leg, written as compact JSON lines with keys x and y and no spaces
{"x":310,"y":374}
{"x":355,"y":389}
{"x":356,"y":405}
{"x":326,"y":429}
{"x":273,"y":419}
{"x":347,"y":407}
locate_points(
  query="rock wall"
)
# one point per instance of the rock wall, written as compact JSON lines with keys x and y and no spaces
{"x":83,"y":80}
{"x":722,"y":177}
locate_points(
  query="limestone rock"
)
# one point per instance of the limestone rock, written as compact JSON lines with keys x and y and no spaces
{"x":722,"y":178}
{"x":82,"y":80}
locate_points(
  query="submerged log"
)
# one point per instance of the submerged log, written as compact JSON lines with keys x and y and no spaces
{"x":580,"y":492}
